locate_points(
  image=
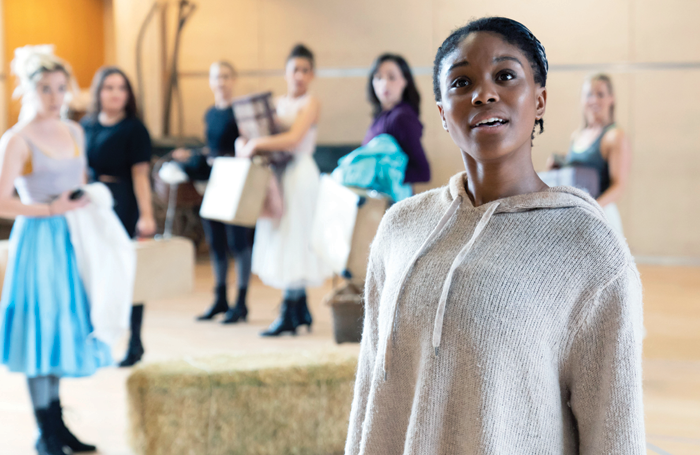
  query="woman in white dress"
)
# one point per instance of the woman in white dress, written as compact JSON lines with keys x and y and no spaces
{"x":282,"y":254}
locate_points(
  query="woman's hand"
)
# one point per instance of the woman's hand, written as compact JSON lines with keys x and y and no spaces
{"x":181,"y":154}
{"x":64,"y":204}
{"x":244,"y":148}
{"x":146,"y":226}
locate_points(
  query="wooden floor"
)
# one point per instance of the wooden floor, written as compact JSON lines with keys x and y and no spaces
{"x":96,"y":406}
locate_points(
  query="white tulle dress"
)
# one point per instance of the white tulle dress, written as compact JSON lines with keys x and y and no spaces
{"x":282,"y":254}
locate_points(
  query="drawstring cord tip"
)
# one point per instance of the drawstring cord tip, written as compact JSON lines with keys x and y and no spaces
{"x":436,"y":351}
{"x":386,"y":375}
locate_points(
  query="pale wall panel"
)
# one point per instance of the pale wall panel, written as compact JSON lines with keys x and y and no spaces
{"x":594,"y":31}
{"x":664,"y":188}
{"x":128,"y":16}
{"x":222,"y":30}
{"x":666,"y":31}
{"x":346,"y":34}
{"x":345,"y":114}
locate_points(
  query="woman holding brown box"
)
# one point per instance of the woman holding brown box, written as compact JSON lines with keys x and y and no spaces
{"x":282,"y":255}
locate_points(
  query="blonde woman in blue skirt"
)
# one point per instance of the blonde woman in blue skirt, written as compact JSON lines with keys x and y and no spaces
{"x":44,"y":313}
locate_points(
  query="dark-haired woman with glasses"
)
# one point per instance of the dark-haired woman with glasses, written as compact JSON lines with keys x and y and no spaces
{"x":395,"y":102}
{"x":119,"y":154}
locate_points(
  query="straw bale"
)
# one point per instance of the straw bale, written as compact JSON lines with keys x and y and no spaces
{"x":267,"y":404}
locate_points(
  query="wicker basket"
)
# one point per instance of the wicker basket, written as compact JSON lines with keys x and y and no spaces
{"x":348,"y":313}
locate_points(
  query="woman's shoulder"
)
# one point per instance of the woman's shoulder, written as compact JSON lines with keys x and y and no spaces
{"x":614,"y":135}
{"x":405,"y":216}
{"x":13,"y":138}
{"x":136,"y":126}
{"x":403,"y":113}
{"x":584,"y":232}
{"x":88,"y":121}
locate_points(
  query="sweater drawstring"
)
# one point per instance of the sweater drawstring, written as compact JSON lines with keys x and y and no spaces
{"x":440,"y":315}
{"x":435,"y":233}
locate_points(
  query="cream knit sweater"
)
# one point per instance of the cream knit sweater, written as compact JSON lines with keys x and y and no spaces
{"x":510,"y":328}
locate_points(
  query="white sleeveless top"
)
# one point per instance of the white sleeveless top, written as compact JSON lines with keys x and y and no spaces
{"x":287,"y":111}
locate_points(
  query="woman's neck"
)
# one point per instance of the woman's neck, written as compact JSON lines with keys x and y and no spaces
{"x":294,"y":95}
{"x":598,"y":123}
{"x":223,"y":102}
{"x":388,"y":107}
{"x":508,"y":176}
{"x":109,"y":118}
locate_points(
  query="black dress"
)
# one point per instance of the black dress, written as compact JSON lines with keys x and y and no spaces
{"x":112,"y":151}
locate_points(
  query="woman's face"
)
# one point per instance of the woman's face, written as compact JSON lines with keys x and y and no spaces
{"x":298,"y":74}
{"x":221,"y":80}
{"x":51,"y":93}
{"x":114,"y":94}
{"x":597,"y":102}
{"x":490,"y":100}
{"x":388,"y":83}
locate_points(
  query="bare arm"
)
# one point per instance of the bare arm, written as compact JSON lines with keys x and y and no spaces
{"x":618,"y":153}
{"x":146,"y":225}
{"x":14,"y":154}
{"x":288,"y":141}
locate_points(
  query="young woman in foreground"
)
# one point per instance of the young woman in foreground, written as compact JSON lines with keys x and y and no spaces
{"x":502,"y":316}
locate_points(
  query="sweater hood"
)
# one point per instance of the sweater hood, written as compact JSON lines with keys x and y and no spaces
{"x":551,"y":198}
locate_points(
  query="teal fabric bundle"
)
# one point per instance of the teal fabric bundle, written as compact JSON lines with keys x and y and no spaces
{"x":380,"y":165}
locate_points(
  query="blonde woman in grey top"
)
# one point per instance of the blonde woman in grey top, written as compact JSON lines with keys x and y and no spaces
{"x":502,"y":316}
{"x":45,"y":328}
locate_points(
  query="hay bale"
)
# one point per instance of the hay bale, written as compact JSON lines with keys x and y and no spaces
{"x":270,"y":404}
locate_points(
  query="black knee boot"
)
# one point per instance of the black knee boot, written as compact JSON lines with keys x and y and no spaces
{"x":220,"y":305}
{"x":286,"y":322}
{"x":135,"y":351}
{"x":303,"y":314}
{"x":49,"y":442}
{"x":67,"y":438}
{"x":239,"y":311}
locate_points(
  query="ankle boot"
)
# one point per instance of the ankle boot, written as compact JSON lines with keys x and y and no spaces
{"x":220,"y":305}
{"x":286,"y":322}
{"x":135,"y":350}
{"x":67,"y":438}
{"x":49,"y":442}
{"x":303,"y":314}
{"x":239,"y":311}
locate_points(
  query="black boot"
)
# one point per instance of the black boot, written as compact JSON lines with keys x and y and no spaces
{"x":135,"y":350}
{"x":303,"y":314}
{"x":286,"y":322}
{"x":239,"y":311}
{"x":49,"y":442}
{"x":67,"y":438}
{"x":220,"y":305}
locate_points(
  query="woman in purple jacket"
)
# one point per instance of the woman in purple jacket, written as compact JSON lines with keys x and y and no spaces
{"x":396,"y":106}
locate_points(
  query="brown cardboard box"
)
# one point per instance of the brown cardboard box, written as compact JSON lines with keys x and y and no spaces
{"x":345,"y":224}
{"x":164,"y":268}
{"x":236,"y":191}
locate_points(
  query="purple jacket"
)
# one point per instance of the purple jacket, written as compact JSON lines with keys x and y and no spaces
{"x":403,"y":124}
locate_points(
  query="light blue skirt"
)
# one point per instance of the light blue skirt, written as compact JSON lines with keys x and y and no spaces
{"x":44,"y":313}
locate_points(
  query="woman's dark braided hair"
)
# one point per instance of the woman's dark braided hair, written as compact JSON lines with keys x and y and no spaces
{"x":513,"y":32}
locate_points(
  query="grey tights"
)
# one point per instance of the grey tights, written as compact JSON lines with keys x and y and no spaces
{"x":43,"y":390}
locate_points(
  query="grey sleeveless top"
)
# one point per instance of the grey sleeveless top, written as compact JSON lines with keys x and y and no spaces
{"x":592,"y":157}
{"x":45,"y":177}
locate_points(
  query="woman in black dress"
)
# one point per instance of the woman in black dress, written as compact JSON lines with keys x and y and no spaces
{"x":119,"y":155}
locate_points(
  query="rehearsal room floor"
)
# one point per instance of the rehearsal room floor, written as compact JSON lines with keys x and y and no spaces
{"x":95,"y":407}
